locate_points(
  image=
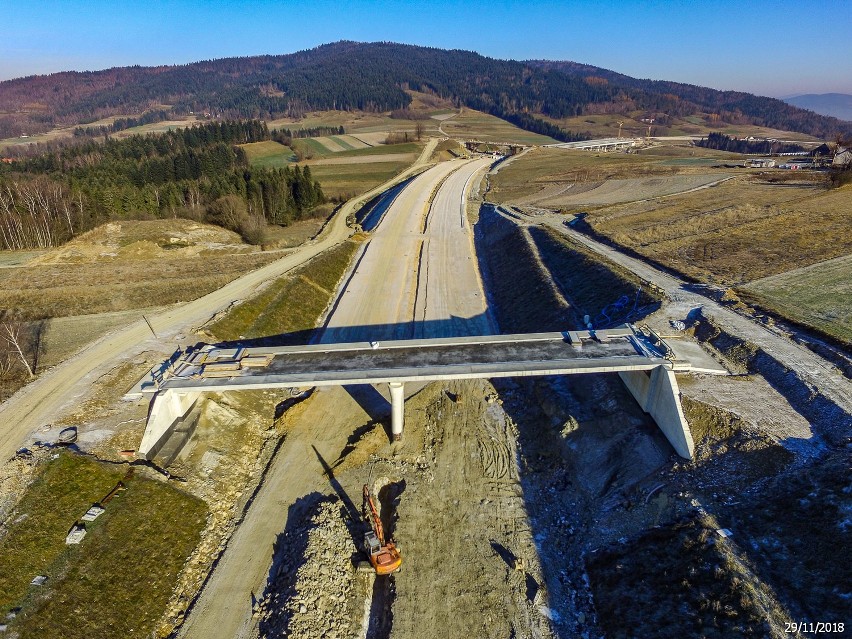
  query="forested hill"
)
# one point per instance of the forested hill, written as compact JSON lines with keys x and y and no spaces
{"x":373,"y":77}
{"x":679,"y":99}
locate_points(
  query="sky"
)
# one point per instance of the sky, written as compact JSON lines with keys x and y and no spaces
{"x":777,"y":48}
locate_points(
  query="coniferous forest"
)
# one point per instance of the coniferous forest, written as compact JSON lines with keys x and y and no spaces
{"x":722,"y":142}
{"x":196,"y":172}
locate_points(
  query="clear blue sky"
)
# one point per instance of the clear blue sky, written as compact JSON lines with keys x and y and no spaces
{"x":775,"y":48}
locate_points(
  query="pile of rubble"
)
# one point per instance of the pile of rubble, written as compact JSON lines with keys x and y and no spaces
{"x":313,"y":591}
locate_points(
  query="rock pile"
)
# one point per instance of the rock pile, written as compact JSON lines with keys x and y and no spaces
{"x":313,"y":592}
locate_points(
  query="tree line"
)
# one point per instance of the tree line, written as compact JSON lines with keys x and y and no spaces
{"x":722,"y":142}
{"x":196,"y":172}
{"x":121,"y":124}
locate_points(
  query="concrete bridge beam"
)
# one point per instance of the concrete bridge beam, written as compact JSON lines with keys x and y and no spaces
{"x":397,"y":393}
{"x":659,"y":396}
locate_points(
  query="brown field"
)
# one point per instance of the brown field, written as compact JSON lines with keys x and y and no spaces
{"x":75,"y":289}
{"x":296,"y":233}
{"x":752,"y":231}
{"x":543,"y":173}
{"x":488,"y":128}
{"x":606,"y":126}
{"x":119,"y":267}
{"x":627,"y":190}
{"x":737,"y":232}
{"x":68,"y":132}
{"x":757,"y":224}
{"x":404,"y":158}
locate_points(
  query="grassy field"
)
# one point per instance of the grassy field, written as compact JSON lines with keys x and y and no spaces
{"x":749,"y":227}
{"x":119,"y":267}
{"x":299,"y":232}
{"x":63,"y":336}
{"x":819,"y":296}
{"x":540,"y":169}
{"x":354,"y":122}
{"x":745,"y":232}
{"x":343,"y":181}
{"x":315,"y":148}
{"x":268,"y":154}
{"x":675,"y":582}
{"x":118,"y":581}
{"x":13,"y":259}
{"x":488,"y":128}
{"x":591,"y":284}
{"x":58,"y":290}
{"x":737,"y":232}
{"x":291,"y":304}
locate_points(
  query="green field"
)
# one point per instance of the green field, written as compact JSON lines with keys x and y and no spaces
{"x":819,"y":296}
{"x":268,"y":154}
{"x":118,"y":581}
{"x":310,"y":148}
{"x":382,"y":149}
{"x":343,"y":181}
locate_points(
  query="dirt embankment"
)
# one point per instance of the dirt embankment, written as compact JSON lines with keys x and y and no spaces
{"x":607,"y":498}
{"x":537,"y":280}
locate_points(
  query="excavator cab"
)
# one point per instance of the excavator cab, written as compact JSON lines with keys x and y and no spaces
{"x":383,"y":556}
{"x":371,"y":543}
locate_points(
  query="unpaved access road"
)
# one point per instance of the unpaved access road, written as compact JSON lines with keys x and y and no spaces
{"x":65,"y":385}
{"x":812,"y":368}
{"x":376,"y":302}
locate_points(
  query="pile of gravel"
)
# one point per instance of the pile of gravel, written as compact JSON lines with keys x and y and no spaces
{"x":313,"y":591}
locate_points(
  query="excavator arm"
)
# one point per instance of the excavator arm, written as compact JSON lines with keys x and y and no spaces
{"x":384,"y":556}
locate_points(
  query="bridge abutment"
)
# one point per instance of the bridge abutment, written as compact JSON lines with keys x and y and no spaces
{"x":659,"y":396}
{"x":168,"y":409}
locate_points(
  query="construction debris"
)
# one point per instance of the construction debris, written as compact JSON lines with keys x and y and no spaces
{"x":93,"y":513}
{"x":76,"y":534}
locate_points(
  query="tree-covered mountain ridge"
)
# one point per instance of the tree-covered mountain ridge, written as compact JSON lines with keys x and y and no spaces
{"x":374,"y":77}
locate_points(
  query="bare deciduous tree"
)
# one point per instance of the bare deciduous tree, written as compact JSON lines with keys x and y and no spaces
{"x":11,"y":332}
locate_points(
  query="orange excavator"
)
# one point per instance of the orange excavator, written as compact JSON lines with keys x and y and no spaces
{"x":384,"y":556}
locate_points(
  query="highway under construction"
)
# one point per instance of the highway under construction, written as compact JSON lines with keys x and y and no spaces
{"x":499,"y":467}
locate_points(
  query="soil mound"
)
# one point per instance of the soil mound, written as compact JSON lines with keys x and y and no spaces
{"x":146,"y":240}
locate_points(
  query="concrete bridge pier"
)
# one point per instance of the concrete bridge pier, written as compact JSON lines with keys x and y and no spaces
{"x":659,"y":396}
{"x":397,"y":393}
